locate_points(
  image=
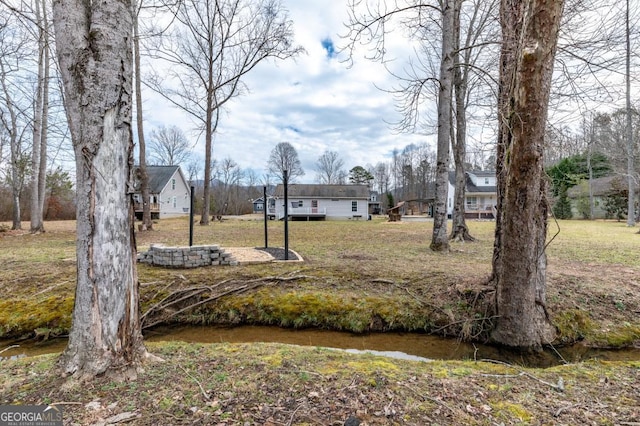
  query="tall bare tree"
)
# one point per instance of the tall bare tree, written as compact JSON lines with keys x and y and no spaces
{"x":328,"y":167}
{"x":40,"y":121}
{"x":169,"y":146}
{"x":94,"y":50}
{"x":285,"y":157}
{"x":14,"y":118}
{"x":473,"y":22}
{"x":530,"y":32}
{"x":213,"y":44}
{"x":147,"y":223}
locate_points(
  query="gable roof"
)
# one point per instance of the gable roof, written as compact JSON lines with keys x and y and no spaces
{"x":601,"y":186}
{"x":324,"y":191}
{"x":158,"y":177}
{"x":469,"y":185}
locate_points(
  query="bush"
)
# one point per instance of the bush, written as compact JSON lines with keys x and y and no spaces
{"x":562,"y":207}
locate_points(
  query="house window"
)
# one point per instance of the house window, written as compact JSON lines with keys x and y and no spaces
{"x":300,"y":203}
{"x":173,"y":184}
{"x":354,"y":206}
{"x":472,"y":203}
{"x":314,"y":204}
{"x":174,"y":202}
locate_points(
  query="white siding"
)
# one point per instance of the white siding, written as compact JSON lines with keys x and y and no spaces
{"x":182,"y":197}
{"x":332,"y":208}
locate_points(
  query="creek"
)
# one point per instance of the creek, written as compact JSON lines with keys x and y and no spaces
{"x":412,"y":346}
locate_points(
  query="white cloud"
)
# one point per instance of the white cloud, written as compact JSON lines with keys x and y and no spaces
{"x":316,"y":102}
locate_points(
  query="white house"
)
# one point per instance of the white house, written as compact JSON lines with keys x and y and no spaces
{"x":320,"y":202}
{"x":480,"y":194}
{"x":169,"y":192}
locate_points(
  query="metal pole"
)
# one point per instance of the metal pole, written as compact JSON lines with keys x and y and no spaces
{"x":286,"y":215}
{"x":191,"y":217}
{"x":264,"y":208}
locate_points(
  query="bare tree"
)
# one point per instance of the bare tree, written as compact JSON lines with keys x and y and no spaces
{"x":285,"y":157}
{"x":328,"y":167}
{"x":147,"y":223}
{"x":14,"y":110}
{"x":212,"y":45}
{"x":422,"y":20}
{"x":475,"y":27}
{"x":169,"y":146}
{"x":90,"y":38}
{"x":40,"y":121}
{"x":530,"y":32}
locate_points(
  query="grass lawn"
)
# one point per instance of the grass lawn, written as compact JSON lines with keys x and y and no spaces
{"x":357,"y":276}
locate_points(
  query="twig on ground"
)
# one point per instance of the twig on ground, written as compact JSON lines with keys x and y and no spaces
{"x":9,"y":347}
{"x":294,"y":414}
{"x":204,"y":393}
{"x":559,"y":386}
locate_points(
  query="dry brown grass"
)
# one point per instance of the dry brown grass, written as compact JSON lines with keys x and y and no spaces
{"x":365,"y":269}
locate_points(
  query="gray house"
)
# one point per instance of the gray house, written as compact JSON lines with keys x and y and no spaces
{"x":169,"y":192}
{"x":320,"y":202}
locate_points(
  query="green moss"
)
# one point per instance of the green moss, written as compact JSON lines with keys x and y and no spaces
{"x":573,"y":325}
{"x":318,"y":309}
{"x":50,"y":316}
{"x":510,"y":411}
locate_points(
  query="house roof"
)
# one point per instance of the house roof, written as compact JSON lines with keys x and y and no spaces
{"x":324,"y":191}
{"x":602,"y":186}
{"x":470,"y":188}
{"x":158,"y":177}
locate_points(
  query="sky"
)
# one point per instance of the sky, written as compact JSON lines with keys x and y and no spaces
{"x":316,"y":102}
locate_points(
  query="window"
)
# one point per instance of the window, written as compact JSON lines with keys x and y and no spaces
{"x":354,"y":206}
{"x":486,"y":181}
{"x":472,"y":203}
{"x":300,"y":203}
{"x":173,"y":184}
{"x":314,"y":204}
{"x":174,"y":202}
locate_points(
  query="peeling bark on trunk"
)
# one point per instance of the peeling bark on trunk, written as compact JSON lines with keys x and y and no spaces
{"x":530,"y":30}
{"x":439,"y":240}
{"x":94,"y":51}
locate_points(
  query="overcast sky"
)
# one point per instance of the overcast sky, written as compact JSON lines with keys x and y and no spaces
{"x":316,"y":102}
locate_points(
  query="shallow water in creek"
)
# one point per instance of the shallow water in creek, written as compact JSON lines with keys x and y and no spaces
{"x":412,"y":346}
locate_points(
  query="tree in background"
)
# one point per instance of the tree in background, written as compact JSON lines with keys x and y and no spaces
{"x":91,"y":37}
{"x":285,"y":157}
{"x":529,"y":39}
{"x":168,"y":146}
{"x":360,"y":176}
{"x":40,"y":120}
{"x":209,"y":48}
{"x":329,"y":168}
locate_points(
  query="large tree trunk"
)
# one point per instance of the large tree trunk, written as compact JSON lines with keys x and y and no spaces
{"x":93,"y":42}
{"x":439,"y":240}
{"x":530,"y":31}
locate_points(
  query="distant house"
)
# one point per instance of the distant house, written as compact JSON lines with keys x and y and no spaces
{"x":480,"y":194}
{"x":602,"y":188}
{"x":320,"y":202}
{"x":169,"y":192}
{"x":258,"y":205}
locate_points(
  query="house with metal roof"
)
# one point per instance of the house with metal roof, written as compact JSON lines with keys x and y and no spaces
{"x":169,"y":192}
{"x":320,"y":202}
